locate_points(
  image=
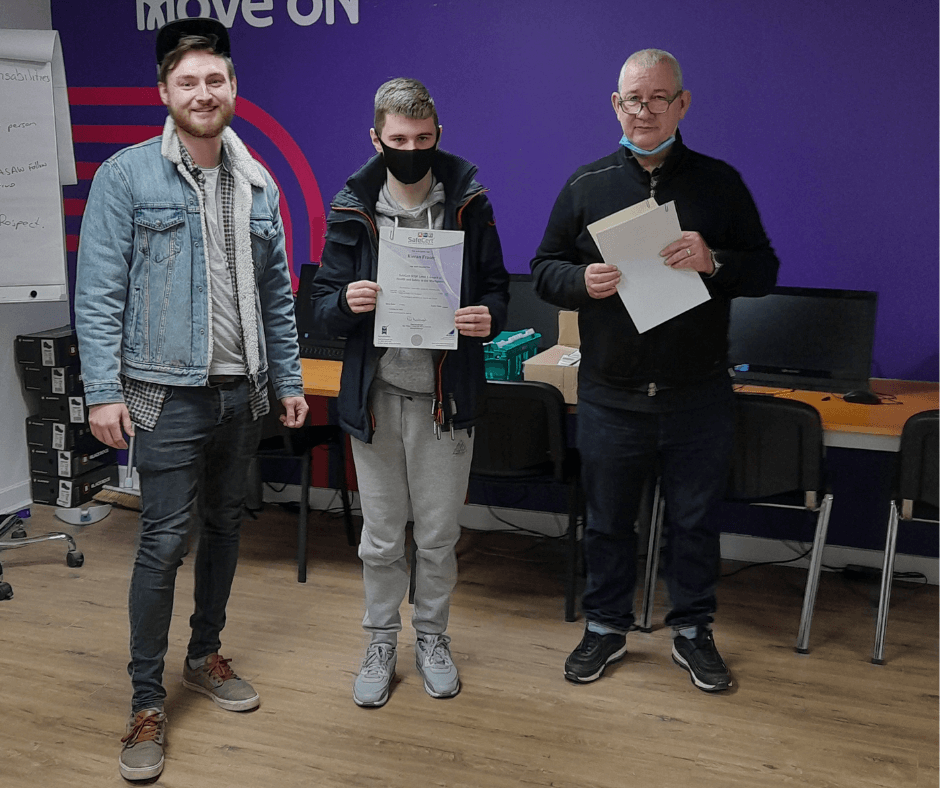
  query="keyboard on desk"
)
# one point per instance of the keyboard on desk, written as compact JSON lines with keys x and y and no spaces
{"x":323,"y":350}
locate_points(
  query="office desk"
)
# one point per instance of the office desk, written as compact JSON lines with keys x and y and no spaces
{"x":321,"y":378}
{"x":846,"y":425}
{"x":870,"y":427}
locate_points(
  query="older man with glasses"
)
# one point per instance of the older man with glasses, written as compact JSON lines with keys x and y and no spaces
{"x":658,"y":401}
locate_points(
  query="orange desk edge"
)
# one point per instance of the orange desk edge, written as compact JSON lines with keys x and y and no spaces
{"x":321,"y":378}
{"x":846,"y":425}
{"x":872,"y":427}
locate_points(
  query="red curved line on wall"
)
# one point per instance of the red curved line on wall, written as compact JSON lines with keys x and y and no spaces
{"x":73,"y":206}
{"x":291,"y":151}
{"x":246,"y":110}
{"x":124,"y":135}
{"x":113,"y":97}
{"x":86,"y":169}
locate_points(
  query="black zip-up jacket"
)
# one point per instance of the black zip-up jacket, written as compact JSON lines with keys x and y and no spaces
{"x":691,"y":348}
{"x":351,"y":254}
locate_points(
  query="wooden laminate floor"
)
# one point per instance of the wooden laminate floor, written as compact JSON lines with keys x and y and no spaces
{"x":829,"y":718}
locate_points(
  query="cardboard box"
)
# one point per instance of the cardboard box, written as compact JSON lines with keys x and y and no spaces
{"x":60,"y":435}
{"x":546,"y":367}
{"x":56,"y":347}
{"x":568,"y":333}
{"x":72,"y":492}
{"x":69,"y":464}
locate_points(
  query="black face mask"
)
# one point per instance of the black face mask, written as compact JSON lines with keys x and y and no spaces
{"x":408,"y":166}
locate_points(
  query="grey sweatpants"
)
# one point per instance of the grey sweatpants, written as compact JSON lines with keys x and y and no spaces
{"x":406,"y":461}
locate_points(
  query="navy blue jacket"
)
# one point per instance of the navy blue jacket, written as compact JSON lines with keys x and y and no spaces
{"x":351,"y":254}
{"x":692,"y":348}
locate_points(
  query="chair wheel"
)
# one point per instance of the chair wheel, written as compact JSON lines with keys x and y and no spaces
{"x":74,"y":558}
{"x":18,"y":533}
{"x":6,"y":591}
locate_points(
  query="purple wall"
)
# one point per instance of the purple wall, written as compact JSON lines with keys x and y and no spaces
{"x":828,"y":111}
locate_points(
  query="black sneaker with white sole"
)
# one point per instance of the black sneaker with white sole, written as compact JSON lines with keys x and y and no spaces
{"x":700,"y":657}
{"x":593,"y":654}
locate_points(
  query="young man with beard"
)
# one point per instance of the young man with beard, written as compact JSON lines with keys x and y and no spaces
{"x":409,"y":411}
{"x":184,"y":312}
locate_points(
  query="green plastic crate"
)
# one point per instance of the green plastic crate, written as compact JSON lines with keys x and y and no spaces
{"x":503,"y":356}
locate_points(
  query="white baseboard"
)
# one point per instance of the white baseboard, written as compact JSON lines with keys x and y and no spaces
{"x":734,"y":547}
{"x":753,"y":548}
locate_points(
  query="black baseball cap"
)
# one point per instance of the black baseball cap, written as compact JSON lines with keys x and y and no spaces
{"x":170,"y":34}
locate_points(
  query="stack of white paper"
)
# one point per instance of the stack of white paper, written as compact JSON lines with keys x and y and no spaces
{"x":632,"y":239}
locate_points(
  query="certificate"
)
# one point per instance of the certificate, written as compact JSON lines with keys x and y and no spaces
{"x":632,"y":239}
{"x":419,"y":273}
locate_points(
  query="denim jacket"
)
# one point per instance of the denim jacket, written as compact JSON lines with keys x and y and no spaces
{"x":142,"y":301}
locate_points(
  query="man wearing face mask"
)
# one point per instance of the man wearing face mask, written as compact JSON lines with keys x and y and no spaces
{"x":409,"y":411}
{"x":660,"y":400}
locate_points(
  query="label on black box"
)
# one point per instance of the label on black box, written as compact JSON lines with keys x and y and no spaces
{"x":58,"y":435}
{"x":76,"y":410}
{"x":65,"y":493}
{"x":48,"y":352}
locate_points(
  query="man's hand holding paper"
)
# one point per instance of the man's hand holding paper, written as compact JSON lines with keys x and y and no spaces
{"x":633,"y":240}
{"x":361,"y":296}
{"x":473,"y":321}
{"x":689,"y":252}
{"x":601,"y":279}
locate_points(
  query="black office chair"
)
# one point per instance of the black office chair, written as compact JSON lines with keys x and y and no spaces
{"x":777,"y":461}
{"x":914,"y":499}
{"x":521,"y":439}
{"x":13,"y":535}
{"x":278,"y":442}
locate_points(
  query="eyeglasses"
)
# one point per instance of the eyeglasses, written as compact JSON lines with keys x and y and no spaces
{"x":656,"y":105}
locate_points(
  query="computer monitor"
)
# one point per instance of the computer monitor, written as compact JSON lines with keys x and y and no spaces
{"x":314,"y":341}
{"x":804,"y":338}
{"x":527,"y":310}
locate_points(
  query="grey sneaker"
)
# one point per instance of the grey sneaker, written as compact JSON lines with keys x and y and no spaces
{"x":375,"y":676}
{"x":142,"y":756}
{"x":437,"y":668}
{"x":217,"y":680}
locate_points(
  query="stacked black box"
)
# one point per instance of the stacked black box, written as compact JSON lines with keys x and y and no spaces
{"x":68,"y":465}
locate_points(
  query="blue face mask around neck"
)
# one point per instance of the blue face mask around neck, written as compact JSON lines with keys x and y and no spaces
{"x":658,"y":149}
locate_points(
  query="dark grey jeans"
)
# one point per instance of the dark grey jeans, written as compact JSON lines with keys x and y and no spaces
{"x":192,"y":469}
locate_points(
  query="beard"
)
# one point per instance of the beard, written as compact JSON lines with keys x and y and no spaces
{"x":196,"y":126}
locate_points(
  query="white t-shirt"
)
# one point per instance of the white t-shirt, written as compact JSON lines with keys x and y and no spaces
{"x":227,"y":353}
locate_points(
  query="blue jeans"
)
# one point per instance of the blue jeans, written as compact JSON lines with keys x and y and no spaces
{"x":619,"y":450}
{"x":192,"y":469}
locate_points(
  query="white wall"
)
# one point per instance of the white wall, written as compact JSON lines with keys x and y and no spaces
{"x":19,"y":319}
